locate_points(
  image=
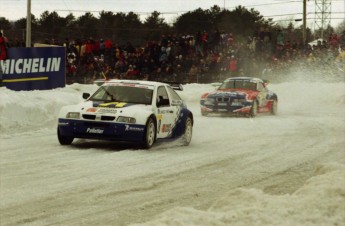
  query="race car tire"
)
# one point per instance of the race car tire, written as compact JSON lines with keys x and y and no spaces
{"x":188,"y":132}
{"x":274,"y":107}
{"x":150,"y":134}
{"x":254,"y":109}
{"x":63,"y":140}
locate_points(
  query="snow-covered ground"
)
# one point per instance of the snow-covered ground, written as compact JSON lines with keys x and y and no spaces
{"x":287,"y":169}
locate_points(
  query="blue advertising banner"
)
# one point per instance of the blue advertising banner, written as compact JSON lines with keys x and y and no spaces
{"x":37,"y":68}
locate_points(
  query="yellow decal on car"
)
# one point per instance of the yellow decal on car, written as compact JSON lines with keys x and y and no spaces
{"x":113,"y":104}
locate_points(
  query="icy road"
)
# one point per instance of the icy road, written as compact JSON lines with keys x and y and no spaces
{"x":287,"y":169}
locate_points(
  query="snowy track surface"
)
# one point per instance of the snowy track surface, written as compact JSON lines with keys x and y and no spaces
{"x":287,"y":169}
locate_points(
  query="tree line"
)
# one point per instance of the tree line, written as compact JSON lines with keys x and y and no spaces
{"x":127,"y":27}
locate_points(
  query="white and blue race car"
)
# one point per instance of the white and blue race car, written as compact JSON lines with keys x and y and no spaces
{"x":130,"y":111}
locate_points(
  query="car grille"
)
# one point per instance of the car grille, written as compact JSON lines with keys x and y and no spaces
{"x":223,"y":99}
{"x":96,"y":124}
{"x":103,"y":117}
{"x":107,"y":118}
{"x":90,"y":117}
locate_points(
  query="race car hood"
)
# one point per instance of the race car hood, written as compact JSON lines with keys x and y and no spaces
{"x":114,"y":107}
{"x":232,"y":93}
{"x":111,"y":104}
{"x":108,"y":108}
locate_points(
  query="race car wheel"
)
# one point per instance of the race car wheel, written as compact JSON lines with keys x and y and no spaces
{"x":188,"y":131}
{"x":254,"y":109}
{"x":274,"y":107}
{"x":150,"y":134}
{"x":63,"y":140}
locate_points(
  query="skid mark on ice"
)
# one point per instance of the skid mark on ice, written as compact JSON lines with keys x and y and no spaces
{"x":144,"y":186}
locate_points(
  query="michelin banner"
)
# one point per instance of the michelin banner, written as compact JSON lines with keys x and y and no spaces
{"x":38,"y":68}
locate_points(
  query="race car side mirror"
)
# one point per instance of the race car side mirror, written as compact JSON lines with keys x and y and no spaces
{"x":86,"y":95}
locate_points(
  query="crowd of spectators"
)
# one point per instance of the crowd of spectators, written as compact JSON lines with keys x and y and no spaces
{"x":202,"y":57}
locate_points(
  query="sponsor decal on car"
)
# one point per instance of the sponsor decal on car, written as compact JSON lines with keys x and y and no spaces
{"x":166,"y":128}
{"x":113,"y":104}
{"x":163,"y":111}
{"x":159,"y":116}
{"x":107,"y":110}
{"x":94,"y":130}
{"x":133,"y":128}
{"x":91,"y":110}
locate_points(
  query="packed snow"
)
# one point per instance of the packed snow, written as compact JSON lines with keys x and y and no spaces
{"x":287,"y":169}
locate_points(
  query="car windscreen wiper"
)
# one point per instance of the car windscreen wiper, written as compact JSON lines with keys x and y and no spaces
{"x":109,"y":94}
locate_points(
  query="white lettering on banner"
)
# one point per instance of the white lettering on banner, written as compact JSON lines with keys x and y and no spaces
{"x":34,"y":65}
{"x":12,"y":67}
{"x":48,"y":63}
{"x":42,"y":68}
{"x":30,"y":65}
{"x":2,"y":65}
{"x":27,"y":65}
{"x":18,"y":68}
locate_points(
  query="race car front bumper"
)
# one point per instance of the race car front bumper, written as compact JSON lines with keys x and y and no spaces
{"x":101,"y":130}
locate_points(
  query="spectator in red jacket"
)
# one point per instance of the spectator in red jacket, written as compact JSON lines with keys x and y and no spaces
{"x":3,"y":43}
{"x":3,"y":54}
{"x":233,"y":66}
{"x":132,"y":72}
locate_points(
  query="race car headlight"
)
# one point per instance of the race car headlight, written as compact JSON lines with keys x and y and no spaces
{"x":126,"y":119}
{"x":209,"y":101}
{"x":75,"y":115}
{"x":237,"y":102}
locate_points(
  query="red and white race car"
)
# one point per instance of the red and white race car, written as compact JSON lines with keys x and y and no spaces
{"x":245,"y":96}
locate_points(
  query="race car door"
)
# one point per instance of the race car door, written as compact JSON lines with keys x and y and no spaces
{"x":166,"y":113}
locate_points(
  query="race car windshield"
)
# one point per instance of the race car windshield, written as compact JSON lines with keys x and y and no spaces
{"x":238,"y":84}
{"x":127,"y":94}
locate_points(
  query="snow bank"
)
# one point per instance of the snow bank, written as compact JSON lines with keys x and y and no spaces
{"x":38,"y":108}
{"x":319,"y":202}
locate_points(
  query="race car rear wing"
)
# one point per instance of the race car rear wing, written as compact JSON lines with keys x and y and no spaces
{"x":99,"y":82}
{"x":175,"y":85}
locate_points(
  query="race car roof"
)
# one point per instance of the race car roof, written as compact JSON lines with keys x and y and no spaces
{"x":246,"y":78}
{"x":140,"y":82}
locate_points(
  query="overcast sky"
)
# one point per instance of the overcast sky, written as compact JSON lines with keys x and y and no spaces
{"x":170,"y":9}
